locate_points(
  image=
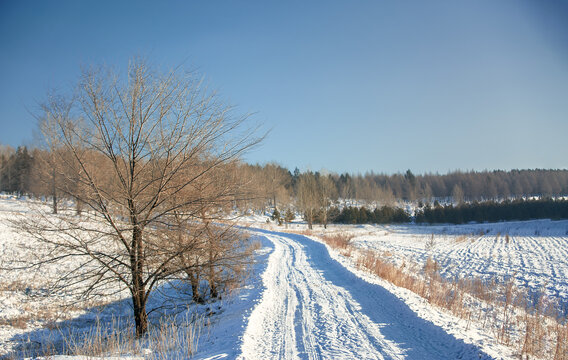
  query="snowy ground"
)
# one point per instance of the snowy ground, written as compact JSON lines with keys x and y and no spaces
{"x":32,"y":319}
{"x":534,"y":253}
{"x":315,"y":308}
{"x":306,"y":301}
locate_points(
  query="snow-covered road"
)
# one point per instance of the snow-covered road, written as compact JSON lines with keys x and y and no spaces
{"x":314,"y":308}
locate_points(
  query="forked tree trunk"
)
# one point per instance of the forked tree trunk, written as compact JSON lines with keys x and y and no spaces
{"x":194,"y":281}
{"x":310,"y":219}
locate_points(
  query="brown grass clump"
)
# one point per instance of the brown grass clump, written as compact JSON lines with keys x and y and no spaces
{"x":18,"y":322}
{"x":392,"y":273}
{"x":561,"y":349}
{"x":461,"y":238}
{"x":171,"y":337}
{"x":16,"y":285}
{"x":338,"y":241}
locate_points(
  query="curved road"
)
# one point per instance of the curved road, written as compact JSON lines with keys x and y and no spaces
{"x":314,"y":308}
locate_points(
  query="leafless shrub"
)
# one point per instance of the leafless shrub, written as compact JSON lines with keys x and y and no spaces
{"x":430,"y":245}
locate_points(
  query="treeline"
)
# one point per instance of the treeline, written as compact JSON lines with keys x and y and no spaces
{"x":315,"y":194}
{"x":277,"y":186}
{"x":362,"y":215}
{"x":491,"y":211}
{"x":458,"y":185}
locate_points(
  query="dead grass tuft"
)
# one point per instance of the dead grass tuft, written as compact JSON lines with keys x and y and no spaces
{"x":338,"y":241}
{"x":18,"y":322}
{"x":461,"y":238}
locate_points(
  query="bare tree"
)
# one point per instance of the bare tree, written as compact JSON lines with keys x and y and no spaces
{"x":276,"y":178}
{"x":137,"y":145}
{"x":326,"y":192}
{"x":308,"y":197}
{"x":457,"y":194}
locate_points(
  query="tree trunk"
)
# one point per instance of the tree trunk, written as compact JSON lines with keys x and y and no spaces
{"x":54,"y":197}
{"x":212,"y":278}
{"x":138,"y":288}
{"x":54,"y":191}
{"x":78,"y":207}
{"x":140,"y":315}
{"x":211,"y":251}
{"x":194,"y":280}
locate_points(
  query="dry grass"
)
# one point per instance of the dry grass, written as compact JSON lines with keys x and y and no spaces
{"x":462,"y":238}
{"x":16,"y":285}
{"x":18,"y":322}
{"x":561,"y":349}
{"x":338,"y":241}
{"x":170,"y":338}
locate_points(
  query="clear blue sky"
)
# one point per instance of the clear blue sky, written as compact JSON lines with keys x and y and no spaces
{"x":344,"y":85}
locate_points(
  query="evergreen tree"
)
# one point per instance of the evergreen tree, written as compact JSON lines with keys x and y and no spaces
{"x":289,"y":216}
{"x":276,"y":216}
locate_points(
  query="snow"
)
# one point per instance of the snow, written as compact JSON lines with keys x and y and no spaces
{"x":304,"y":300}
{"x":315,"y":308}
{"x":534,"y":253}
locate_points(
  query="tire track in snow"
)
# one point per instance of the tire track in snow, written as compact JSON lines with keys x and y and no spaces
{"x":309,"y":310}
{"x":302,"y":315}
{"x":272,"y":331}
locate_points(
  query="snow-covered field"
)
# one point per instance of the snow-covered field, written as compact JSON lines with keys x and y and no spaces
{"x":304,"y":300}
{"x":534,"y":253}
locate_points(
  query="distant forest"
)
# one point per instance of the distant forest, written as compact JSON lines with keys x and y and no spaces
{"x":278,"y":183}
{"x":27,"y":171}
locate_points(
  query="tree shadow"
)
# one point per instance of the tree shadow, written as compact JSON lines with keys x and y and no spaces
{"x":113,"y":322}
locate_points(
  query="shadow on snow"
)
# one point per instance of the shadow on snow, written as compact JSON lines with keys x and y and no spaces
{"x":419,"y":338}
{"x":169,"y":303}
